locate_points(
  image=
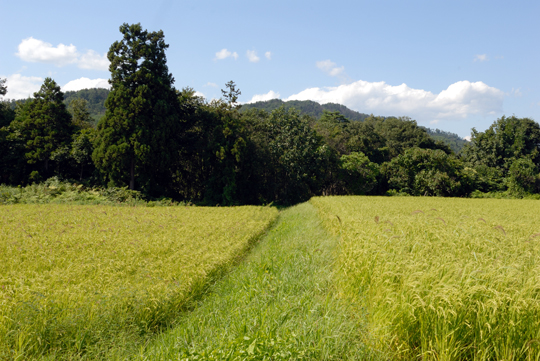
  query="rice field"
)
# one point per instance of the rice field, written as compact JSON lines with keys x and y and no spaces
{"x":78,"y":278}
{"x":441,"y":278}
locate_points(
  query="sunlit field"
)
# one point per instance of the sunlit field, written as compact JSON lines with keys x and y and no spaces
{"x":82,"y":277}
{"x":441,"y":278}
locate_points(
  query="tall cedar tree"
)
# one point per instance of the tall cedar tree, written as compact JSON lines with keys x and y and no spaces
{"x":43,"y":125}
{"x":136,"y":140}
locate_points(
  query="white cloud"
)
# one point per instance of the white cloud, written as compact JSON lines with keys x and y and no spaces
{"x":92,"y":60}
{"x":481,"y":57}
{"x":467,"y":138}
{"x":268,"y":55}
{"x":86,"y":83}
{"x":213,"y":85}
{"x":224,"y":54}
{"x":37,"y":51}
{"x":252,"y":56}
{"x":459,"y":100}
{"x":330,"y":67}
{"x":263,"y":97}
{"x":199,"y":94}
{"x":20,"y":87}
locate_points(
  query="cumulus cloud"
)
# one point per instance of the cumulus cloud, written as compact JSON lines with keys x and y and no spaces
{"x":20,"y":87}
{"x":330,"y":67}
{"x":224,"y":54}
{"x":458,"y":101}
{"x":86,"y":83}
{"x":481,"y":57}
{"x":38,"y":51}
{"x":268,"y":55}
{"x":263,"y":97}
{"x":252,"y":56}
{"x":92,"y":60}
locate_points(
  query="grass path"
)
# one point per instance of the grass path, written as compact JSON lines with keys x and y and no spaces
{"x":279,"y":304}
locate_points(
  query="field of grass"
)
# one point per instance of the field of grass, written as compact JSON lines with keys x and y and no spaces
{"x":280,"y":303}
{"x":441,"y":278}
{"x":76,"y":280}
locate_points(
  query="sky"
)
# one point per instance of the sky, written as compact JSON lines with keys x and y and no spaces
{"x":451,"y":65}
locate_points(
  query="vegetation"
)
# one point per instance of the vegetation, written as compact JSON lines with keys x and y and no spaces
{"x":170,"y":143}
{"x":280,"y":304}
{"x":454,"y":141}
{"x":95,"y":101}
{"x":76,"y":280}
{"x":306,"y":107}
{"x":439,"y":278}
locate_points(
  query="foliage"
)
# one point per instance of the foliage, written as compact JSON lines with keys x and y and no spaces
{"x":42,"y":126}
{"x":454,"y":141}
{"x":306,"y":107}
{"x":507,"y":139}
{"x":358,"y":173}
{"x":452,"y":279}
{"x":3,"y":87}
{"x":77,"y":278}
{"x":426,"y":172}
{"x":289,"y":158}
{"x":522,"y":176}
{"x":136,"y":141}
{"x":80,"y":114}
{"x":95,"y":101}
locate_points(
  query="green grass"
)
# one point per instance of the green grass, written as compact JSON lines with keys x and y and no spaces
{"x":76,"y":281}
{"x":281,"y":303}
{"x":441,"y":278}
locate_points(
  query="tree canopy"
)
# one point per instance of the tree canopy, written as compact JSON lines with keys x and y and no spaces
{"x":135,"y":142}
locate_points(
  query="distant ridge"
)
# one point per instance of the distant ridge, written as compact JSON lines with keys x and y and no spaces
{"x":315,"y":109}
{"x":307,"y":107}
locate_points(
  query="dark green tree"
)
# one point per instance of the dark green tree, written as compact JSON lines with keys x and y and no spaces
{"x":506,"y":140}
{"x":288,"y":161}
{"x":43,"y":125}
{"x":3,"y":87}
{"x":522,"y":177}
{"x":358,"y":173}
{"x":137,"y":140}
{"x":427,"y":172}
{"x":79,"y":111}
{"x":227,"y":144}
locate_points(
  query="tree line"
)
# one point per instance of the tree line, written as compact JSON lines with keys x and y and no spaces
{"x":171,"y":143}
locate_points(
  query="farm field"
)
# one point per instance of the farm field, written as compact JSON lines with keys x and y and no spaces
{"x":78,"y":279}
{"x":441,"y":278}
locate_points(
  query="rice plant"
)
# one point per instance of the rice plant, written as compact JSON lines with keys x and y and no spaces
{"x":75,"y":279}
{"x":442,"y":278}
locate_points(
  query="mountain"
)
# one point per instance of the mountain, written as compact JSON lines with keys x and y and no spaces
{"x":455,"y":142}
{"x":307,"y":107}
{"x":95,"y":97}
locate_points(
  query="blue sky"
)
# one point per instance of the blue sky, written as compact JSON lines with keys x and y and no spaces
{"x":451,"y":65}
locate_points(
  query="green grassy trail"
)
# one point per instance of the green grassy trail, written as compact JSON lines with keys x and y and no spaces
{"x":279,"y":304}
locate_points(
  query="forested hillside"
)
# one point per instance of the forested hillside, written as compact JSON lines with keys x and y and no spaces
{"x":454,"y":141}
{"x":171,"y":143}
{"x":94,"y":97}
{"x":307,"y":107}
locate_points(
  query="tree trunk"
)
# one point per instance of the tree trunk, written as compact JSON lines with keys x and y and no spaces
{"x":132,"y":180}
